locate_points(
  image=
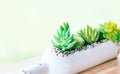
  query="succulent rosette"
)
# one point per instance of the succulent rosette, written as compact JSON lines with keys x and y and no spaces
{"x":110,"y":31}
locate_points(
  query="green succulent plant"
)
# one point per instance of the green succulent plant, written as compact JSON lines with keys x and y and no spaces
{"x":118,"y":36}
{"x":89,"y":35}
{"x":64,"y":40}
{"x":80,"y":42}
{"x":110,"y":31}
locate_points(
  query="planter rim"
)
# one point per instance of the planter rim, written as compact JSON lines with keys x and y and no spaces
{"x":84,"y":48}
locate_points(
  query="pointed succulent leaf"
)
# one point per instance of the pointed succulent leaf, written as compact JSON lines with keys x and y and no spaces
{"x":55,"y":45}
{"x":61,"y":30}
{"x":66,"y":26}
{"x":63,"y":33}
{"x":81,"y":33}
{"x":57,"y":39}
{"x":87,"y":30}
{"x":90,"y":31}
{"x":96,"y":36}
{"x":71,"y":37}
{"x":66,"y":36}
{"x":58,"y":33}
{"x":69,"y":41}
{"x":88,"y":40}
{"x":67,"y":32}
{"x":71,"y":45}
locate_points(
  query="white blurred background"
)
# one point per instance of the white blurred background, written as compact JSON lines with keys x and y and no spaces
{"x":27,"y":26}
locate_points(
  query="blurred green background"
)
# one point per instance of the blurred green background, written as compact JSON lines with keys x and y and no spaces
{"x":27,"y":26}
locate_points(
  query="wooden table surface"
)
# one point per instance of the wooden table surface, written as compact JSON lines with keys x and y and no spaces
{"x":109,"y":67}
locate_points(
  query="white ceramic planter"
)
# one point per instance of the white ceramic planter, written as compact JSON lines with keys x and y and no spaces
{"x":76,"y":62}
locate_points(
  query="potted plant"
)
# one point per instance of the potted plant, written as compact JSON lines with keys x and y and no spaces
{"x":71,"y":53}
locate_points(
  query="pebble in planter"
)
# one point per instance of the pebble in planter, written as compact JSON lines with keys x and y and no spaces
{"x":71,"y":54}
